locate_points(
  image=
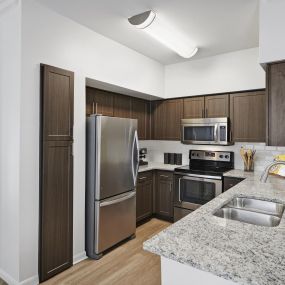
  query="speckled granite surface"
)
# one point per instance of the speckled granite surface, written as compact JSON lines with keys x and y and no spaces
{"x":243,"y":253}
{"x":157,"y":165}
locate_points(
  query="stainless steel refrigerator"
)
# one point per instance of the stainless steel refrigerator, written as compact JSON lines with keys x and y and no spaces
{"x":112,"y":161}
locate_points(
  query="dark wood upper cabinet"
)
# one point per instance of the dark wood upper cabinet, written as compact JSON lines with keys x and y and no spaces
{"x":99,"y":102}
{"x":57,"y":113}
{"x":141,"y":112}
{"x":217,"y":106}
{"x":193,"y":107}
{"x":158,"y":120}
{"x":173,"y":113}
{"x":164,"y":194}
{"x":122,"y":106}
{"x":166,"y":120}
{"x":276,"y":104}
{"x":247,"y":113}
{"x":56,"y":172}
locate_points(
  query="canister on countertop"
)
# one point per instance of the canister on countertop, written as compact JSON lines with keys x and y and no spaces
{"x":166,"y":158}
{"x":178,"y":158}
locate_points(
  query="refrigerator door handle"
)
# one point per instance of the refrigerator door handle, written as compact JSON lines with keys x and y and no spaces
{"x":118,"y":200}
{"x":135,"y":157}
{"x":97,"y":155}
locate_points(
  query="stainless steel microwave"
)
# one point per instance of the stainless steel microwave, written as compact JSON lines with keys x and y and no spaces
{"x":206,"y":131}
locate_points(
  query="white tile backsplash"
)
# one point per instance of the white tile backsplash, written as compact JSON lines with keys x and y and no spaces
{"x":264,"y":154}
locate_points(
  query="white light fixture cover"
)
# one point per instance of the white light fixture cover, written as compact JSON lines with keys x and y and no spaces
{"x":164,"y":33}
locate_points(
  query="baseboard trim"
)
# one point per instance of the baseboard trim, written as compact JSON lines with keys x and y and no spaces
{"x":79,"y":257}
{"x":30,"y":281}
{"x":8,"y":278}
{"x":11,"y":281}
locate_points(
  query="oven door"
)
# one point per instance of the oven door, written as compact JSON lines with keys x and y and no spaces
{"x":200,"y":133}
{"x":192,"y":192}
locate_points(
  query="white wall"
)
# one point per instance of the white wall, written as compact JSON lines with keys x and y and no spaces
{"x":10,"y":78}
{"x":271,"y":30}
{"x":55,"y":40}
{"x":233,"y":71}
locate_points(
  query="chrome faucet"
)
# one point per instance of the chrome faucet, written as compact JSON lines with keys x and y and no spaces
{"x":265,"y":173}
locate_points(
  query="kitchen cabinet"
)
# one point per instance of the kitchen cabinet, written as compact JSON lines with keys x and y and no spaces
{"x":144,"y":195}
{"x":122,"y":106}
{"x":167,"y":117}
{"x":217,"y":106}
{"x":164,"y":194}
{"x":213,"y":106}
{"x":56,"y":172}
{"x":99,"y":102}
{"x":276,"y":104}
{"x":247,"y":113}
{"x":230,"y":182}
{"x":193,"y":108}
{"x":141,"y":111}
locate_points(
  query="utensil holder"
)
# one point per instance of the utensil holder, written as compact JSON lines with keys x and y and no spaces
{"x":249,"y":167}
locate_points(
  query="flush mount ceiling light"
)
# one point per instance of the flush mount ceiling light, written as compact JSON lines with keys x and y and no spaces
{"x":154,"y":26}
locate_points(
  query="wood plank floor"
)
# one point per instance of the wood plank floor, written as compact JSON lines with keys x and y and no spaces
{"x":128,"y":264}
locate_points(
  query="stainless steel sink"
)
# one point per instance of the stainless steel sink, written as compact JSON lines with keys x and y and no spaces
{"x":249,"y":217}
{"x":266,"y":207}
{"x":252,"y":211}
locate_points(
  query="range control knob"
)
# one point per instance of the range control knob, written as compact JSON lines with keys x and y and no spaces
{"x":221,"y":156}
{"x":226,"y":156}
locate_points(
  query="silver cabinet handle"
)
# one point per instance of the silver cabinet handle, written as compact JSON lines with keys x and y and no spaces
{"x":142,"y":178}
{"x":179,"y":187}
{"x":116,"y":201}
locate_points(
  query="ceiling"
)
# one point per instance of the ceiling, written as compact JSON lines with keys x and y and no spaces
{"x":216,"y":26}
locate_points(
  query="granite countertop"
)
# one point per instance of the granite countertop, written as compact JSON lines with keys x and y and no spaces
{"x":236,"y":251}
{"x":157,"y":165}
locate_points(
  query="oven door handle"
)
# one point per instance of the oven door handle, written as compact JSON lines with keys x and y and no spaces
{"x":179,"y":186}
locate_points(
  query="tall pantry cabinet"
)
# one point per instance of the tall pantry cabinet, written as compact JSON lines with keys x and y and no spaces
{"x":56,"y":171}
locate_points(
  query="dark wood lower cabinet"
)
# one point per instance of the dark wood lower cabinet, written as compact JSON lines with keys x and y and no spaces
{"x":144,"y":195}
{"x":230,"y":182}
{"x":164,"y":194}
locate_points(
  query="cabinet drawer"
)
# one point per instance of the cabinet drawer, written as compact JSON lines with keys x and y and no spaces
{"x":144,"y":176}
{"x":230,"y":182}
{"x":165,"y":175}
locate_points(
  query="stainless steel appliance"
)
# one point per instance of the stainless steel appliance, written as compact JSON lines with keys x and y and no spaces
{"x":112,"y":160}
{"x":205,"y":131}
{"x":200,"y":181}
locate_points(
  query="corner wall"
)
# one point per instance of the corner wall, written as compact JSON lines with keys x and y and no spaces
{"x":55,"y":40}
{"x":227,"y":72}
{"x":10,"y":86}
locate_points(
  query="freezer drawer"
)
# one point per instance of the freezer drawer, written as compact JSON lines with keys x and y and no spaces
{"x":115,"y":220}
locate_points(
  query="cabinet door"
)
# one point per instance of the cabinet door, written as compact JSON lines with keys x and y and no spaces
{"x":158,"y":120}
{"x":144,"y":195}
{"x":247,"y":113}
{"x":140,"y":111}
{"x":173,"y":113}
{"x":276,"y":104}
{"x":193,"y":108}
{"x":56,"y":204}
{"x":99,"y":102}
{"x":57,"y":103}
{"x":164,"y":194}
{"x":217,"y":106}
{"x":122,"y":106}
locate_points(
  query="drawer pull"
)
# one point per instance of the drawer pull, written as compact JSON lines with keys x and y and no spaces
{"x":142,"y":178}
{"x":166,"y":176}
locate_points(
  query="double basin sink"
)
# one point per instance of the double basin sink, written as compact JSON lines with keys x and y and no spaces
{"x":252,"y":211}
